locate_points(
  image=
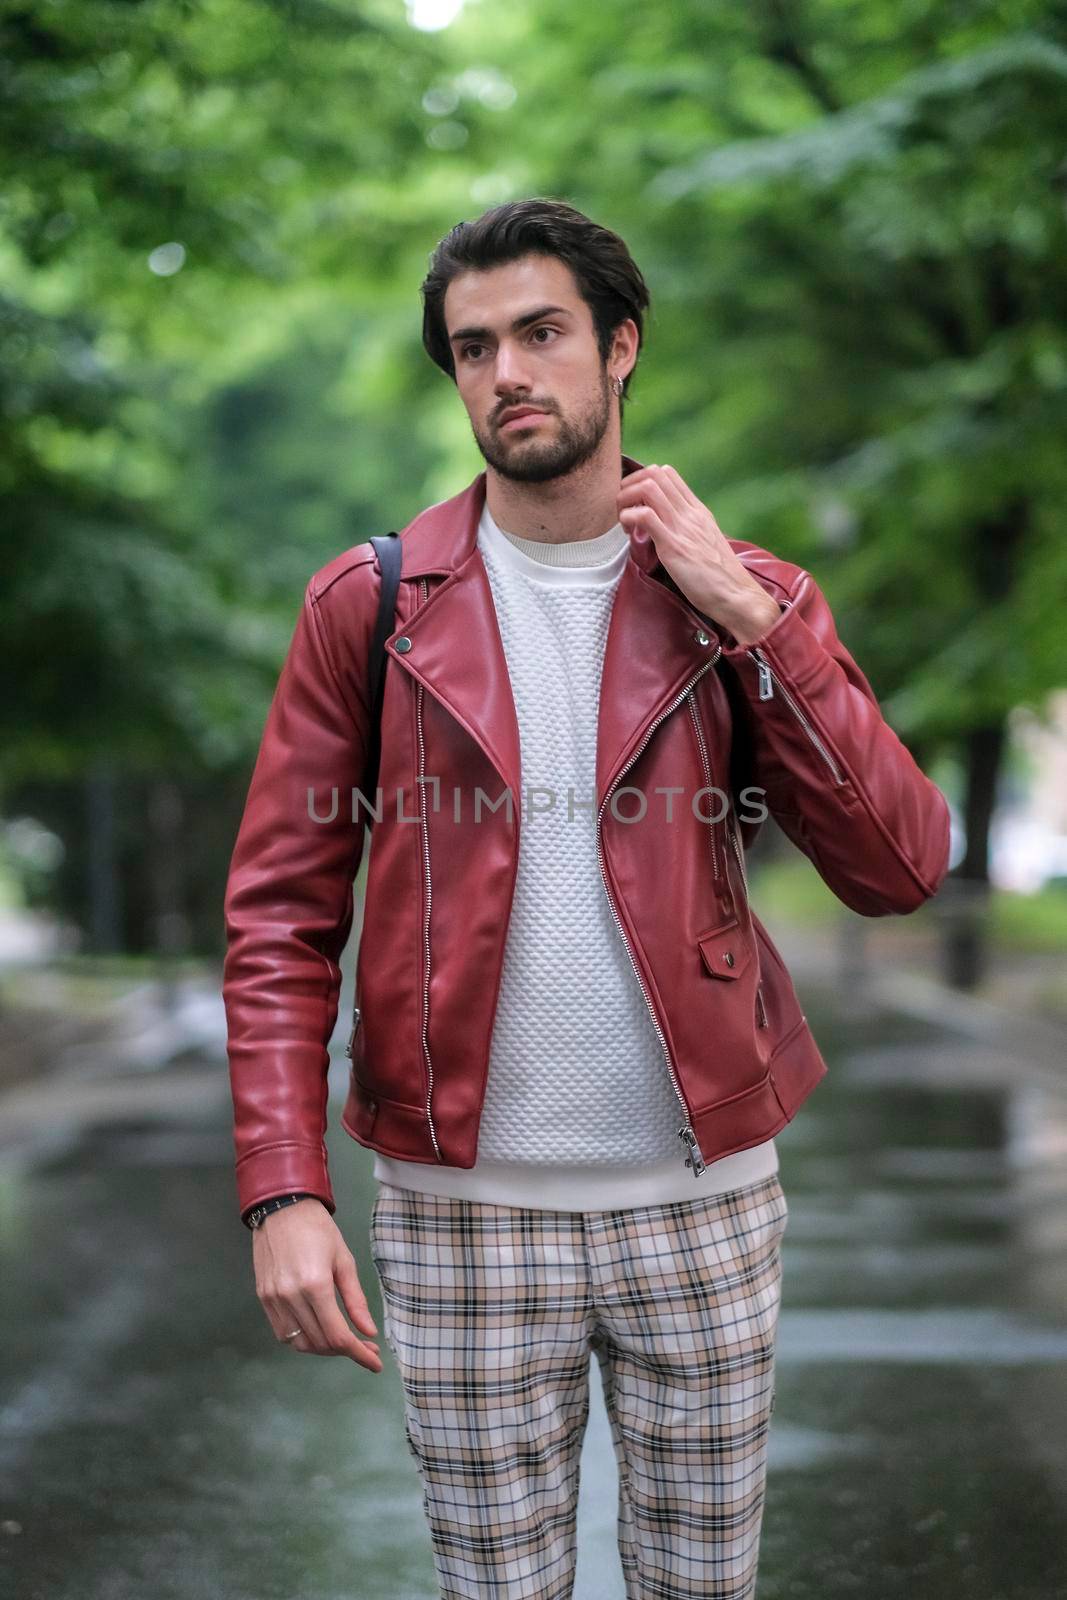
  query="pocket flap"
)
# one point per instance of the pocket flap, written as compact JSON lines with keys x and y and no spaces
{"x":725,"y":950}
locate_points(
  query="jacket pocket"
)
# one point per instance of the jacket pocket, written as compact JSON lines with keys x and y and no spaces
{"x":361,"y":1108}
{"x":725,"y":951}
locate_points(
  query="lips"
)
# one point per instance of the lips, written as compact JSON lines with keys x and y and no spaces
{"x":527,"y":416}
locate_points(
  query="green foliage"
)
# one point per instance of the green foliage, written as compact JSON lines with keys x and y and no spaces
{"x":853,"y":221}
{"x":183,"y":184}
{"x":214,"y":221}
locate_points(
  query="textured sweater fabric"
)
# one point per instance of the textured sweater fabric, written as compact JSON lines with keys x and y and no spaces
{"x":580,"y":1112}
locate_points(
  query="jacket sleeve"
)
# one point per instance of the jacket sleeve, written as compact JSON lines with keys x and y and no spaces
{"x":836,"y":778}
{"x":288,"y":912}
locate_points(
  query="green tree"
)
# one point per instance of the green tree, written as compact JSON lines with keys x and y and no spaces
{"x":180,"y":182}
{"x":185,"y":186}
{"x":853,"y":220}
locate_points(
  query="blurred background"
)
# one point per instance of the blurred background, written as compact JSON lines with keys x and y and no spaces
{"x":214,"y":221}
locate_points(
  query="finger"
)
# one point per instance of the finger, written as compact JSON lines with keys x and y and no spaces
{"x":653,"y":494}
{"x":283,"y":1322}
{"x":674,"y":481}
{"x":636,"y":485}
{"x":672,"y":486}
{"x":650,"y":493}
{"x":344,"y":1342}
{"x":685,"y":502}
{"x":690,"y":502}
{"x":352,"y":1296}
{"x":649,"y":474}
{"x":339,"y":1340}
{"x":306,"y":1316}
{"x":681,"y":498}
{"x":644,"y":517}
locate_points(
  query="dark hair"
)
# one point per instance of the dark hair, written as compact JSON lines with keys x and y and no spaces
{"x":607,"y":277}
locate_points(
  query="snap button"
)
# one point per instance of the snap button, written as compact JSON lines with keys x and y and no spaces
{"x":402,"y":645}
{"x":701,"y":637}
{"x":728,"y":957}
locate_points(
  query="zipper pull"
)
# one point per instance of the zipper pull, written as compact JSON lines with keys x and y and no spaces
{"x":766,"y":682}
{"x":352,"y":1035}
{"x":695,"y":1160}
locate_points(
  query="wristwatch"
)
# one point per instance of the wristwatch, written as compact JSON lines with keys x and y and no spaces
{"x":253,"y":1218}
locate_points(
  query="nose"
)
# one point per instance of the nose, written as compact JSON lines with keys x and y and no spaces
{"x":510,"y":377}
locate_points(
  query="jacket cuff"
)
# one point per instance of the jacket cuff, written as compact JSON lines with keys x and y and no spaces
{"x":283,"y":1169}
{"x":736,"y":653}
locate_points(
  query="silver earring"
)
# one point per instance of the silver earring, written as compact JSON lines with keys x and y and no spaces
{"x":617,"y":385}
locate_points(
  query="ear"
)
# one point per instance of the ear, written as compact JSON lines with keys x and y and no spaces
{"x":625,"y":345}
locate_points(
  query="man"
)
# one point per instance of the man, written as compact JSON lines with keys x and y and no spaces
{"x":574,"y":1041}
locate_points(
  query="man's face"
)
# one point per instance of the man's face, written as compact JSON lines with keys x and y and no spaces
{"x":549,"y":361}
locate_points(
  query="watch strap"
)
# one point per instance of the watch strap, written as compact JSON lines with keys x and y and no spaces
{"x":255,"y":1217}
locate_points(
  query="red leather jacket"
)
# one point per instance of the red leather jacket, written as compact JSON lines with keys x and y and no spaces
{"x":682,"y":707}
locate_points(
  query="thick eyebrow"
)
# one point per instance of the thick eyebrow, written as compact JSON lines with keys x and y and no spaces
{"x":516,"y":327}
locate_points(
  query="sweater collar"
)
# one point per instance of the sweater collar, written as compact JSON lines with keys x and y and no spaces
{"x":444,"y":536}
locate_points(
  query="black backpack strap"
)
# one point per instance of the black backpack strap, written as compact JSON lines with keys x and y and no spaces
{"x":388,"y":549}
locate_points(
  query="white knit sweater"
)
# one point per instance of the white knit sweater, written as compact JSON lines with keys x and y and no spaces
{"x":580,"y":1112}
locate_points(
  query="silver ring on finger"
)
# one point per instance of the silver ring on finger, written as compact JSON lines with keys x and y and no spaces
{"x":295,"y":1333}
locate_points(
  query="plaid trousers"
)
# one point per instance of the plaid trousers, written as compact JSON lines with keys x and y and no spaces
{"x":491,"y":1311}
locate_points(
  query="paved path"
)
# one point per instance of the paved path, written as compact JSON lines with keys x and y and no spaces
{"x":156,"y":1444}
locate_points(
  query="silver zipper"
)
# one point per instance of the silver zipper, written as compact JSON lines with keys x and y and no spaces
{"x":426,"y":919}
{"x":760,"y":1006}
{"x":767,"y":684}
{"x":707,"y":782}
{"x":685,"y":1133}
{"x":740,"y":854}
{"x":740,"y":858}
{"x":350,"y":1046}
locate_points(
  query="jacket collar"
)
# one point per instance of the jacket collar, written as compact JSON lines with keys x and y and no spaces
{"x":657,"y":643}
{"x":441,"y":538}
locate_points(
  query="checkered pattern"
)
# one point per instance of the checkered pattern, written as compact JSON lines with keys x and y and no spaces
{"x":491,"y":1311}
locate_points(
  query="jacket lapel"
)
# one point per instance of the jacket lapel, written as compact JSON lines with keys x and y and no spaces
{"x":456,"y":651}
{"x":458,"y":655}
{"x":653,"y":649}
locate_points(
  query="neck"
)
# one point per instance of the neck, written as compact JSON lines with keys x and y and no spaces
{"x":581,"y":505}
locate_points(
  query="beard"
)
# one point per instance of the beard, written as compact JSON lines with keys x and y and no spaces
{"x":535,"y":459}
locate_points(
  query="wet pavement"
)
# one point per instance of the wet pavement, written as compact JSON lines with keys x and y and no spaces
{"x":157,"y":1444}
